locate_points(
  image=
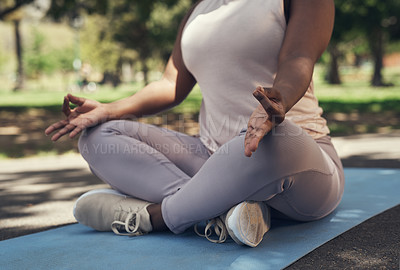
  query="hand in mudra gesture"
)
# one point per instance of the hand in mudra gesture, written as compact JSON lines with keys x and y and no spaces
{"x":267,"y":115}
{"x":87,"y":113}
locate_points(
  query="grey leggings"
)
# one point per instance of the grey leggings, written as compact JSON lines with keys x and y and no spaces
{"x":296,"y":175}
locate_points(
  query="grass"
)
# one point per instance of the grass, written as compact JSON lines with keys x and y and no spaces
{"x":39,"y":98}
{"x":52,"y":100}
{"x":355,"y":94}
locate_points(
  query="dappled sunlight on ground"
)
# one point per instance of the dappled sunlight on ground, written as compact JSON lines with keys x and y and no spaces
{"x":38,"y":199}
{"x":22,"y":133}
{"x":343,"y":124}
{"x":369,"y":150}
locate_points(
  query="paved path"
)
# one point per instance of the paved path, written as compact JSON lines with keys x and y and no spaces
{"x":39,"y":193}
{"x":370,"y":150}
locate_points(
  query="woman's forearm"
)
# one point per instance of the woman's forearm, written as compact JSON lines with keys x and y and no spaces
{"x":293,"y":79}
{"x":153,"y":98}
{"x":307,"y":36}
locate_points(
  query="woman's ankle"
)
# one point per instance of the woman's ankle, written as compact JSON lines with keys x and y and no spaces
{"x":156,"y":218}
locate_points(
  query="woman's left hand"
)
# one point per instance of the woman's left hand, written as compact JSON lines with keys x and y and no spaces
{"x":267,"y":115}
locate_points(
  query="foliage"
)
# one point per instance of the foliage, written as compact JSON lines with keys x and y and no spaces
{"x":35,"y":59}
{"x":63,"y":59}
{"x":141,"y":32}
{"x":123,"y":30}
{"x":371,"y":22}
{"x":3,"y":59}
{"x":70,"y":9}
{"x":393,"y":47}
{"x":8,"y":7}
{"x":148,"y":27}
{"x":97,"y":46}
{"x":39,"y":59}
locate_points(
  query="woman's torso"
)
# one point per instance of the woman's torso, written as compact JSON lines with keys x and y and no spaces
{"x":230,"y":47}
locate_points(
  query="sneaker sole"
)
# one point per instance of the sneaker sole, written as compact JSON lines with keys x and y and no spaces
{"x":248,"y":222}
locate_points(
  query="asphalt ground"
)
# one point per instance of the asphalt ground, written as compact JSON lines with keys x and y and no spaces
{"x":38,"y":194}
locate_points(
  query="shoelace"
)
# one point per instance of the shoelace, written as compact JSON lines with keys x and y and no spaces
{"x":131,"y":225}
{"x":219,"y":228}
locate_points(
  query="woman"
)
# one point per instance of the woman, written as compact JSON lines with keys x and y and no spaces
{"x":259,"y":151}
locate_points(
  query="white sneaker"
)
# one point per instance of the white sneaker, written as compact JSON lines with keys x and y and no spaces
{"x":246,"y":223}
{"x":219,"y":229}
{"x":110,"y":210}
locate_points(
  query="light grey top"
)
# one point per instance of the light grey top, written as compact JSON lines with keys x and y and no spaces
{"x":230,"y":47}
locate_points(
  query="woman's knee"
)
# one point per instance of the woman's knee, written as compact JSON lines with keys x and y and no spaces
{"x":296,"y":202}
{"x":292,"y":148}
{"x":87,"y":141}
{"x":94,"y":138}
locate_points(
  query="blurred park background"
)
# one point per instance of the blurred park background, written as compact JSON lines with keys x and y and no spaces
{"x":105,"y":50}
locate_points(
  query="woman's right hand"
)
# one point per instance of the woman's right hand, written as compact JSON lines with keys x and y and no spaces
{"x":87,"y":113}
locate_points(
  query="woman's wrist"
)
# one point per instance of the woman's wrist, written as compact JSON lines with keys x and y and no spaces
{"x":110,"y":112}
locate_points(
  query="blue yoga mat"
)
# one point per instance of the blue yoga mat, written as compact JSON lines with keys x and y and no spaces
{"x":368,"y":192}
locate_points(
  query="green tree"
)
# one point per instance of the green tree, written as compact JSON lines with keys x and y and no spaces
{"x":100,"y":50}
{"x":148,"y":27}
{"x":39,"y":58}
{"x":70,"y":9}
{"x":15,"y":11}
{"x":35,"y":61}
{"x":376,"y":20}
{"x":344,"y":39}
{"x":10,"y":10}
{"x":378,"y":17}
{"x":339,"y":32}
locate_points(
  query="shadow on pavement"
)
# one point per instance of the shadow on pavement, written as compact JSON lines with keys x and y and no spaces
{"x":364,"y":161}
{"x":33,"y":201}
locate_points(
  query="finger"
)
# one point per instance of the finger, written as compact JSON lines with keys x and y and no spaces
{"x":55,"y":126}
{"x":263,"y":99}
{"x":56,"y":136}
{"x":251,"y":143}
{"x":247,"y":151}
{"x":272,"y":93}
{"x":76,"y":100}
{"x":275,"y":113}
{"x":75,"y":132}
{"x":251,"y":146}
{"x":65,"y":107}
{"x":250,"y":136}
{"x":66,"y":129}
{"x":254,"y":136}
{"x":49,"y":130}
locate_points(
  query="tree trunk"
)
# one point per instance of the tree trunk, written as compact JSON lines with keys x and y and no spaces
{"x":376,"y":44}
{"x":145,"y":71}
{"x":333,"y":76}
{"x":19,"y":84}
{"x":111,"y":77}
{"x":357,"y":60}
